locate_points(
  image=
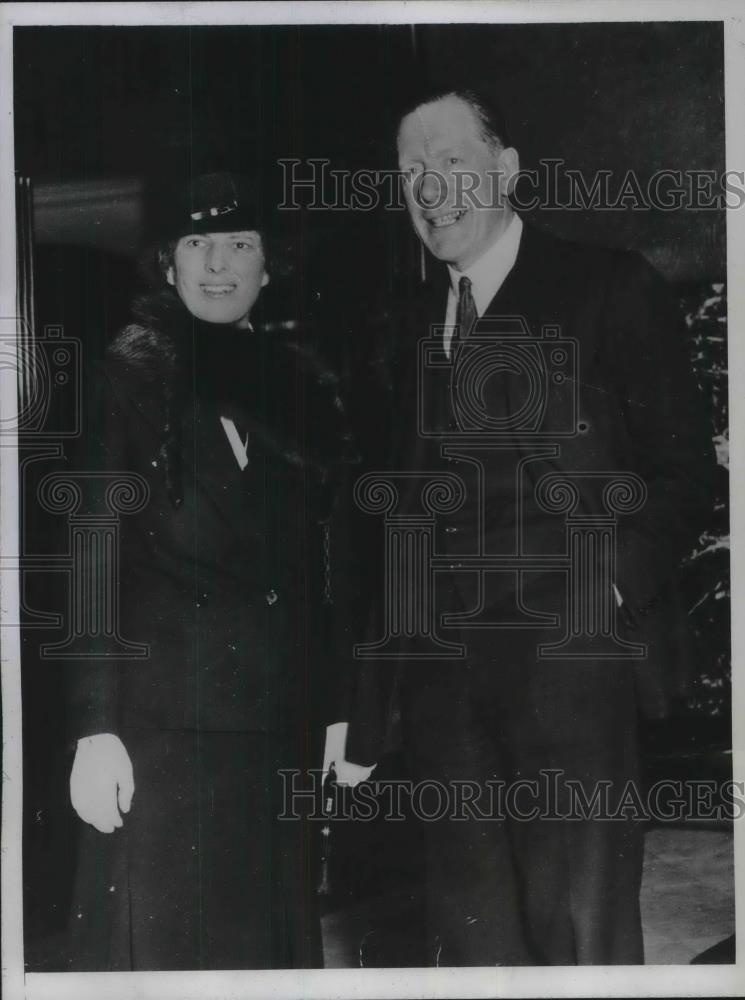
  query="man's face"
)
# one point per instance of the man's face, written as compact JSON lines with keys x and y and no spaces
{"x":443,"y":156}
{"x":218,"y":276}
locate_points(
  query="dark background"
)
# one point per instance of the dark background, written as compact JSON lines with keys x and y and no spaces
{"x":98,"y":104}
{"x":105,"y":116}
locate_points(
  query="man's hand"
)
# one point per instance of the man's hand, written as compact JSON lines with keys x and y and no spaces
{"x":351,"y":774}
{"x":101,"y":779}
{"x":347,"y":773}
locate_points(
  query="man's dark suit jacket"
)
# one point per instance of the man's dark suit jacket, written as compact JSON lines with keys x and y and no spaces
{"x":642,"y":413}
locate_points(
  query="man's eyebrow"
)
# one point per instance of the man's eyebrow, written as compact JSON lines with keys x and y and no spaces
{"x":437,"y":150}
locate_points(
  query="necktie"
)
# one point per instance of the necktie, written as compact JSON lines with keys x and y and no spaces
{"x":466,"y":315}
{"x":465,"y":319}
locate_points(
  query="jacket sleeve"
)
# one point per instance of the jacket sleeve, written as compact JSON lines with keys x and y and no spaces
{"x":668,"y":435}
{"x":369,"y":685}
{"x":346,"y":581}
{"x":363,"y":687}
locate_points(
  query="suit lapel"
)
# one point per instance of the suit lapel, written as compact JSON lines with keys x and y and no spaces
{"x":414,"y":452}
{"x":535,"y":288}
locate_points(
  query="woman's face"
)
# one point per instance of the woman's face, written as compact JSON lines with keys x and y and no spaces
{"x":218,"y":276}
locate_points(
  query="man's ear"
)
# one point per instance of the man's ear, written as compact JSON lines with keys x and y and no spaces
{"x":265,"y":279}
{"x":510,"y":168}
{"x":170,"y":276}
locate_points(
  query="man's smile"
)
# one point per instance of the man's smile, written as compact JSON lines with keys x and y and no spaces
{"x":447,"y":219}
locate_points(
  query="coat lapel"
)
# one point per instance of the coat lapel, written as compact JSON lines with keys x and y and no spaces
{"x":210,"y":467}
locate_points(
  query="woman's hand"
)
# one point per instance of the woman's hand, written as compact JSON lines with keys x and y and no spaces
{"x":102,"y":781}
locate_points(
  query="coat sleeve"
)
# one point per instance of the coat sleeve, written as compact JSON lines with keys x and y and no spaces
{"x":668,"y":435}
{"x":91,"y":680}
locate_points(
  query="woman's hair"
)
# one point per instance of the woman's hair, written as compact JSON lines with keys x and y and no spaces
{"x":166,"y":254}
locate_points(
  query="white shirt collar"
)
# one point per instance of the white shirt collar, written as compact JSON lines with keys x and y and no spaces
{"x":488,"y":273}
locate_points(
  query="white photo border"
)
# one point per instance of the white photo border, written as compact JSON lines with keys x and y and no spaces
{"x":429,"y":983}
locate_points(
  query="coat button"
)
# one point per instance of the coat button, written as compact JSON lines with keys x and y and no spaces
{"x":272,"y":597}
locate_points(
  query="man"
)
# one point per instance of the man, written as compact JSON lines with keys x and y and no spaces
{"x":238,"y":433}
{"x":536,"y":889}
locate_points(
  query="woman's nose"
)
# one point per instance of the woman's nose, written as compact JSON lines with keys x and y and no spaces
{"x":215,"y":259}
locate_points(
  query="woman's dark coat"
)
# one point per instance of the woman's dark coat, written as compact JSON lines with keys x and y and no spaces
{"x":228,"y":577}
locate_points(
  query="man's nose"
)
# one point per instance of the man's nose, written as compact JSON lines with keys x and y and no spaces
{"x":432,"y":189}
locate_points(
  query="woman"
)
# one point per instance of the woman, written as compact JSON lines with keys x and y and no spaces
{"x":240,"y":437}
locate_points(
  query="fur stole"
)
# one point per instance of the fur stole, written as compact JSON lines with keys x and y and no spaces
{"x":265,"y":377}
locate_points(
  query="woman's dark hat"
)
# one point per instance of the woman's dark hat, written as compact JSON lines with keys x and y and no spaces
{"x":212,"y":203}
{"x":222,"y":202}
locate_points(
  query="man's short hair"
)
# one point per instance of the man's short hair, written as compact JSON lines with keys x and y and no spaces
{"x":484,"y":106}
